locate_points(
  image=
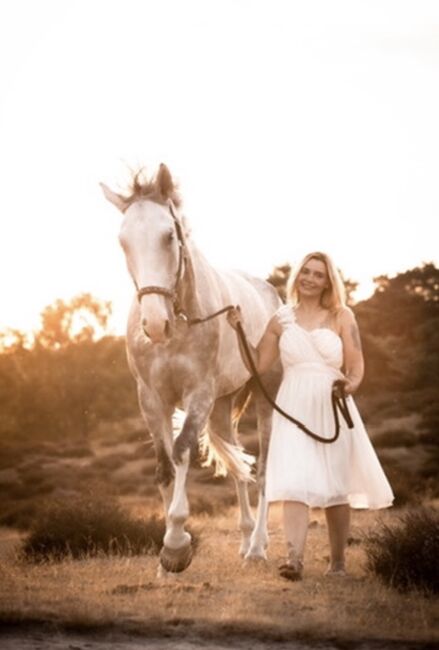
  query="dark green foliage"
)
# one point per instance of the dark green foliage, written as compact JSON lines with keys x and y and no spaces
{"x":406,"y":555}
{"x":69,"y":379}
{"x":279,"y":278}
{"x":395,"y":438}
{"x":51,"y":393}
{"x":408,"y":488}
{"x":89,"y":524}
{"x":400,"y":328}
{"x":19,"y":514}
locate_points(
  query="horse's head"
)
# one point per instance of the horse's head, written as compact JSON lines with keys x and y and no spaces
{"x":151,"y":236}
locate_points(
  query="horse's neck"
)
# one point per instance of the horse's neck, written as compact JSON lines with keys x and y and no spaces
{"x":198,"y":273}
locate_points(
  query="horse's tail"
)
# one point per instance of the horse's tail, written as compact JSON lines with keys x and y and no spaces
{"x":241,"y":402}
{"x":225,"y":456}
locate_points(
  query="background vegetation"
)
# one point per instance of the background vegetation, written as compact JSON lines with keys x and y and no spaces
{"x":69,"y":414}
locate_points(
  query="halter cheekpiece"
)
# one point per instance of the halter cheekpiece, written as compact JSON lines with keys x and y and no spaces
{"x":172,"y":294}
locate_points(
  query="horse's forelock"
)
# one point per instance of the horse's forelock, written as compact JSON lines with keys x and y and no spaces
{"x":142,"y":187}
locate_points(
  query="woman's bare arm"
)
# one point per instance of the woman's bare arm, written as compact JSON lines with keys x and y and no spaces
{"x":352,"y":352}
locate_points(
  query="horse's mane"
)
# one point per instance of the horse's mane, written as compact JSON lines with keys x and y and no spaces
{"x":144,"y":187}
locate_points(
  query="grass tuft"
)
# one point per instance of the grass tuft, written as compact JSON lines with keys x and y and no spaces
{"x":405,"y":555}
{"x":88,"y":525}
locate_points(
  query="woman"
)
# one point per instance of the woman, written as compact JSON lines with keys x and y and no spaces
{"x":318,"y":341}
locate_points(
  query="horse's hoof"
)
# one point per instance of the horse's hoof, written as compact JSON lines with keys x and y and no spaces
{"x":243,"y":550}
{"x":175,"y":560}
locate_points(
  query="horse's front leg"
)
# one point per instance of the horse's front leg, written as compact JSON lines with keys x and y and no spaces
{"x":176,"y":554}
{"x":158,"y":420}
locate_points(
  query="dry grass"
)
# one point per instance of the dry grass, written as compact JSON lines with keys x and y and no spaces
{"x":218,"y":595}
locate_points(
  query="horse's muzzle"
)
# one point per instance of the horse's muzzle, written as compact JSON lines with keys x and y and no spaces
{"x":157,"y":335}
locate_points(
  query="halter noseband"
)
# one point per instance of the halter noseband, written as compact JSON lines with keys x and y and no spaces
{"x":172,"y":294}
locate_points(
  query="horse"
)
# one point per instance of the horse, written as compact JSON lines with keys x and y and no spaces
{"x":180,"y":361}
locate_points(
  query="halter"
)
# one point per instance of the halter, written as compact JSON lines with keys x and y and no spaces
{"x":172,"y":294}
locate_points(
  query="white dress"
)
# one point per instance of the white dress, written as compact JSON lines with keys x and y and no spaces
{"x":300,"y":468}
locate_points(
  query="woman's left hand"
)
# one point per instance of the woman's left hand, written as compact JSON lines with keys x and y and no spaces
{"x":349,"y":385}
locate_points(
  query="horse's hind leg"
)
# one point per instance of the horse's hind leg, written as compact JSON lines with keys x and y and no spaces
{"x":220,"y":424}
{"x":259,"y":538}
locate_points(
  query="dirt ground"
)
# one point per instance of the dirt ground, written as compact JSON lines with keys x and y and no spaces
{"x":45,"y":640}
{"x":119,"y":604}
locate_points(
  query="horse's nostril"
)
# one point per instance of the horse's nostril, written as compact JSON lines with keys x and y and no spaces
{"x":167,"y":329}
{"x":144,"y":324}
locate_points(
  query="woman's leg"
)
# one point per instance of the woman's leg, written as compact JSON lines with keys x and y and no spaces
{"x":338,"y":519}
{"x":295,"y":516}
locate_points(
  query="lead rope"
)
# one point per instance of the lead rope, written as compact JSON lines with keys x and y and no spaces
{"x":338,"y":397}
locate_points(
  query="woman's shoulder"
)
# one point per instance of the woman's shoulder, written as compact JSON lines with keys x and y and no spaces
{"x":345,"y":316}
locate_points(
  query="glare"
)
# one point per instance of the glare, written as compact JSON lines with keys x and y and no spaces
{"x":290,"y":126}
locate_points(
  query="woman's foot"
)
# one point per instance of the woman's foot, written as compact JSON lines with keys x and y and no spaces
{"x":336,"y":570}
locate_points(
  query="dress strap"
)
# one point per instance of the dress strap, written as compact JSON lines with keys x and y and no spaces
{"x":285,"y":315}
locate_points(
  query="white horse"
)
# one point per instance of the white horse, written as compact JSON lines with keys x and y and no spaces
{"x":195,"y":367}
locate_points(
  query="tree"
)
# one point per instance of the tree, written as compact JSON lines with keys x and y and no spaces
{"x":84,"y":318}
{"x":68,"y":378}
{"x":421,"y":282}
{"x":400,"y":304}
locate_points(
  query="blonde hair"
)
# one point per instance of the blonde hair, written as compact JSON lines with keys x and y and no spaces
{"x":333,"y":297}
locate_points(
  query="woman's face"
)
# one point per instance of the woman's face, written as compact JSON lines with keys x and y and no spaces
{"x":312,"y":279}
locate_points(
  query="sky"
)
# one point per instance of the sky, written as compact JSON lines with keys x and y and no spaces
{"x":290,"y":126}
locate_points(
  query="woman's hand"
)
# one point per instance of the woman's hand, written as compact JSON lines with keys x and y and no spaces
{"x":350,"y":385}
{"x":234,"y":317}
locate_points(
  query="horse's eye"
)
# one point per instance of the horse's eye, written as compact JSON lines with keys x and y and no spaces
{"x":169,"y":237}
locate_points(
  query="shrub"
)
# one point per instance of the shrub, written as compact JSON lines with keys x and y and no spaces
{"x":406,"y":555}
{"x":18,"y":514}
{"x":90,"y":524}
{"x":430,"y":423}
{"x":201,"y":505}
{"x":407,"y":487}
{"x":395,"y":438}
{"x":429,"y":439}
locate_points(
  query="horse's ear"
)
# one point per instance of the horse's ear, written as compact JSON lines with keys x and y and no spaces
{"x":165,"y":182}
{"x":116,"y":199}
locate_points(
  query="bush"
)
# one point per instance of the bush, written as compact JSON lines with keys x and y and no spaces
{"x":18,"y":514}
{"x":429,"y":439}
{"x":395,"y":438}
{"x":407,"y":487}
{"x":406,"y":555}
{"x":87,"y":525}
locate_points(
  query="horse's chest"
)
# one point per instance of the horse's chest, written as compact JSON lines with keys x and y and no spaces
{"x":173,"y":373}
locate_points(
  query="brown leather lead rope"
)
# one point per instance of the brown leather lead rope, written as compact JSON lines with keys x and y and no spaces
{"x":338,"y":397}
{"x":196,"y":321}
